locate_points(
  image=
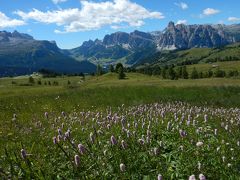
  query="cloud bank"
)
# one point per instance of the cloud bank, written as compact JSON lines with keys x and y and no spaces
{"x":93,"y":15}
{"x":6,"y":22}
{"x":182,"y":5}
{"x":184,"y":21}
{"x":210,"y":11}
{"x":233,"y":19}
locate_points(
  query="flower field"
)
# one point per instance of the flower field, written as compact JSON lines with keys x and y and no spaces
{"x":147,"y":141}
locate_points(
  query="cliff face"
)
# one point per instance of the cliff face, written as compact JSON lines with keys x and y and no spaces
{"x":129,"y":46}
{"x":189,"y":36}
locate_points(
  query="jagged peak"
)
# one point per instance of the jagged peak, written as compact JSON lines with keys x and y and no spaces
{"x":171,"y":24}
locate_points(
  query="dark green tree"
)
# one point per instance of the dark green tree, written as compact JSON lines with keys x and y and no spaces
{"x":99,"y":70}
{"x":111,"y":68}
{"x":171,"y":73}
{"x":39,"y":82}
{"x":164,"y":72}
{"x":156,"y":70}
{"x":121,"y":74}
{"x":179,"y":72}
{"x":119,"y":65}
{"x":184,"y":73}
{"x":219,"y":73}
{"x":210,"y":73}
{"x":31,"y":80}
{"x":194,"y":74}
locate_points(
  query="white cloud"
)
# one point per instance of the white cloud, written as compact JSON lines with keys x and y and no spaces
{"x":182,"y":5}
{"x":184,"y":21}
{"x":6,"y":22}
{"x":94,"y":15}
{"x":210,"y":11}
{"x":233,"y":19}
{"x":58,"y":1}
{"x":116,"y":27}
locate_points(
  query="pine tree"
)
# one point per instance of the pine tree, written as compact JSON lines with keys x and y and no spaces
{"x":164,"y":73}
{"x":111,"y":68}
{"x":194,"y":74}
{"x":184,"y":72}
{"x":180,"y":71}
{"x":99,"y":70}
{"x":119,"y":65}
{"x":171,"y":73}
{"x":31,"y":80}
{"x":121,"y":74}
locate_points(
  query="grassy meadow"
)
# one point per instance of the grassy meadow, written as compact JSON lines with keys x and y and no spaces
{"x":225,"y":66}
{"x":102,"y":127}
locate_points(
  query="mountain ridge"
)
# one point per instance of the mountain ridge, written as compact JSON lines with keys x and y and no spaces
{"x":22,"y":54}
{"x":22,"y":51}
{"x":180,"y":36}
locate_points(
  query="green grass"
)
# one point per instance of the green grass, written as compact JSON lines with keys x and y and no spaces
{"x":98,"y":94}
{"x":226,"y":66}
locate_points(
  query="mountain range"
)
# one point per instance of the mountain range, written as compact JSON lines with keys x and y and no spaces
{"x":131,"y":48}
{"x":21,"y":53}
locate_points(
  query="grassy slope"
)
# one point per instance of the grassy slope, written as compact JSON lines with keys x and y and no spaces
{"x":108,"y":90}
{"x":200,"y":55}
{"x":30,"y":102}
{"x":226,"y":66}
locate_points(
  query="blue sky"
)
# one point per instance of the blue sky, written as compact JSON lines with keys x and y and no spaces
{"x":70,"y":22}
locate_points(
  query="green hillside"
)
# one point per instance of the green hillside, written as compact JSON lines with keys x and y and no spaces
{"x":194,"y":56}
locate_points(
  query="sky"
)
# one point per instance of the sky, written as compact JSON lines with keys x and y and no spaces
{"x":71,"y":22}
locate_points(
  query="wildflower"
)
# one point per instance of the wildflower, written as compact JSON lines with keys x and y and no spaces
{"x":122,"y":167}
{"x":156,"y":151}
{"x":14,"y":115}
{"x":223,"y":158}
{"x":81,"y":148}
{"x":46,"y":114}
{"x":128,"y":133}
{"x":160,"y":177}
{"x":199,"y":144}
{"x":99,"y":132}
{"x":148,"y":139}
{"x":59,"y":131}
{"x":148,"y":133}
{"x":205,"y":118}
{"x":77,"y":160}
{"x":67,"y":134}
{"x":169,"y":125}
{"x":182,"y":133}
{"x":113,"y":140}
{"x":161,"y":144}
{"x":202,"y":177}
{"x":23,"y":154}
{"x":192,"y":177}
{"x":141,"y":141}
{"x":123,"y":144}
{"x":199,"y":166}
{"x":54,"y":140}
{"x":91,"y":136}
{"x":59,"y":137}
{"x":63,"y":114}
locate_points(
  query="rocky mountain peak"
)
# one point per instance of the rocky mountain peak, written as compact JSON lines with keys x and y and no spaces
{"x":171,"y":25}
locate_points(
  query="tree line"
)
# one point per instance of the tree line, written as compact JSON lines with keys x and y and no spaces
{"x":173,"y":73}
